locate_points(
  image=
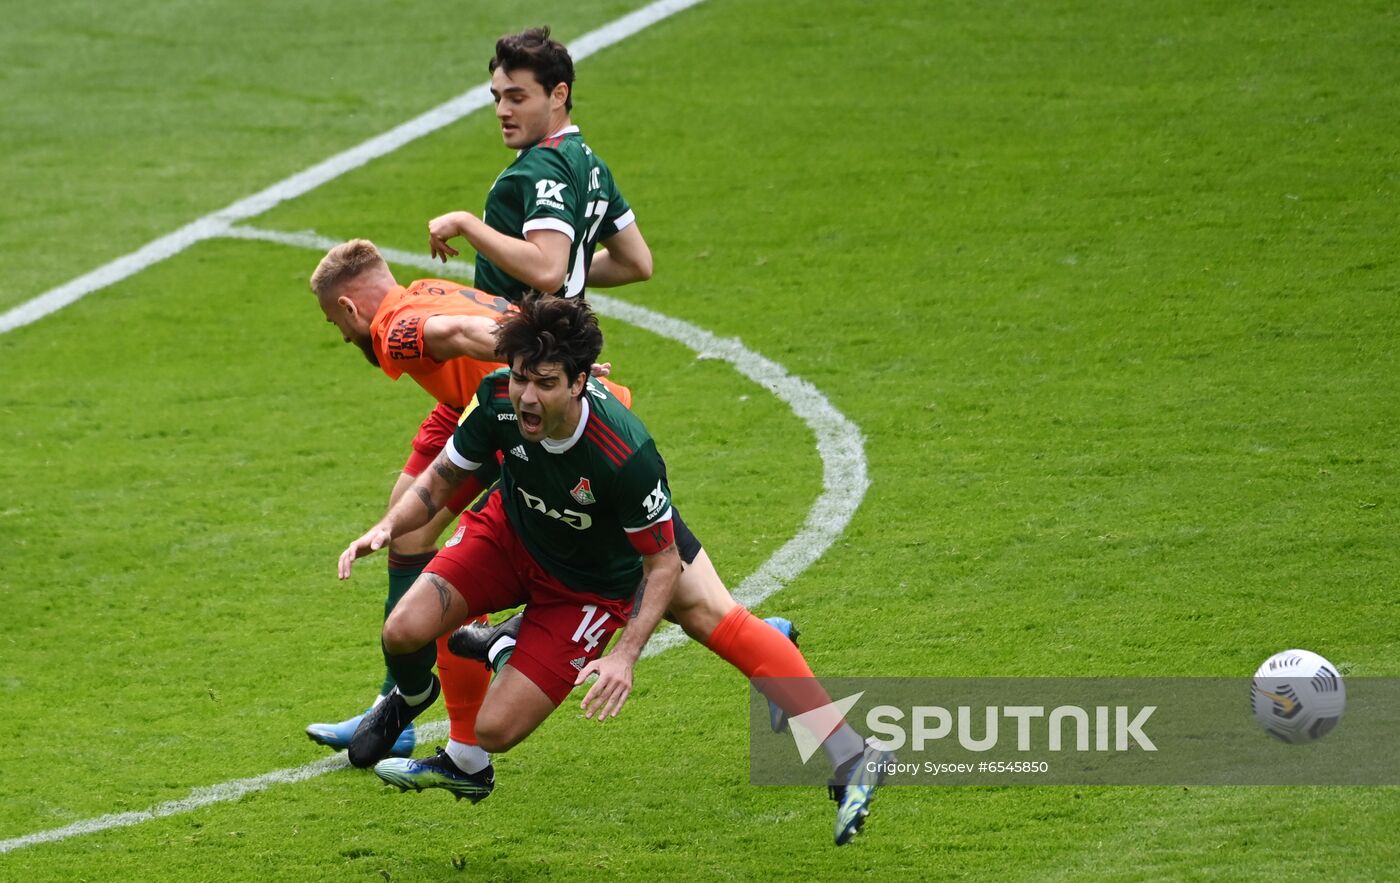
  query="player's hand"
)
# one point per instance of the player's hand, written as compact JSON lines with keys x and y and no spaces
{"x":614,"y":684}
{"x":602,"y":370}
{"x":441,"y":229}
{"x":375,"y":538}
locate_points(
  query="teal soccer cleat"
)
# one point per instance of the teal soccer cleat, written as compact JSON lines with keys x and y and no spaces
{"x":861,"y":777}
{"x":777,"y":718}
{"x":337,"y":736}
{"x":437,"y":771}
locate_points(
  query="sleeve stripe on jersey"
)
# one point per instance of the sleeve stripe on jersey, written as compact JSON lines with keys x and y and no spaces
{"x":456,"y":456}
{"x":600,"y":445}
{"x":626,"y":219}
{"x":664,"y":516}
{"x":502,"y":388}
{"x":606,"y":434}
{"x":607,"y":442}
{"x":549,"y":224}
{"x":606,"y":431}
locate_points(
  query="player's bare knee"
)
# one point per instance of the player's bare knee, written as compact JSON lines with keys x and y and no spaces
{"x":698,"y":608}
{"x":400,"y":635}
{"x":495,"y":735}
{"x":699,"y":621}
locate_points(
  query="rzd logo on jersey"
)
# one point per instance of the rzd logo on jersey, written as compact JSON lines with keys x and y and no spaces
{"x":576,"y":520}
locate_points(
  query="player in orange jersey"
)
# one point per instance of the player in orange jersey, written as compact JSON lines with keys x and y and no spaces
{"x":400,"y":330}
{"x":441,"y":334}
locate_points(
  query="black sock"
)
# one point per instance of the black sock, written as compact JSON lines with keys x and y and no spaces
{"x":403,"y":570}
{"x":413,"y":672}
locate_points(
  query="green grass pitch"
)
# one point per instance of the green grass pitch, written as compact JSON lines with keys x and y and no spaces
{"x":1111,"y":290}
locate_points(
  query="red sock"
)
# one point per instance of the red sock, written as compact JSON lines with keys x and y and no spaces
{"x":464,"y":683}
{"x":763,"y":653}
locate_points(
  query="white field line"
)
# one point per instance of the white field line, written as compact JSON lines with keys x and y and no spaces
{"x":215,"y":224}
{"x":844,"y":483}
{"x":839,"y":442}
{"x":460,"y":270}
{"x":202,"y":797}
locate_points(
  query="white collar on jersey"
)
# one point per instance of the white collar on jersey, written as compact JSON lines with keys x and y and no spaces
{"x":559,"y":447}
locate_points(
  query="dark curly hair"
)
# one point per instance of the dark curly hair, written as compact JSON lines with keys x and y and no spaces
{"x":550,"y":329}
{"x":533,"y":51}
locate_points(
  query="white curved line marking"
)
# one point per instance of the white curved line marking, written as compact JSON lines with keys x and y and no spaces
{"x":839,"y":442}
{"x":217,"y":223}
{"x":844,"y":482}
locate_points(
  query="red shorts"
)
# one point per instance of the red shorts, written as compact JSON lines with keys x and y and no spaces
{"x":435,"y":431}
{"x":563,"y":630}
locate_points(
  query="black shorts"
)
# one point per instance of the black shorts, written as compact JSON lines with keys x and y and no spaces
{"x":687,"y":543}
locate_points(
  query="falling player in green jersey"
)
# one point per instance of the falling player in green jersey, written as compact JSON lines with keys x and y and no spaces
{"x":550,"y":209}
{"x":580,"y":533}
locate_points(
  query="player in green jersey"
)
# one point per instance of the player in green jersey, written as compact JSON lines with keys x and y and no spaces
{"x":551,"y":208}
{"x":545,"y":216}
{"x":580,"y":532}
{"x":583,"y":534}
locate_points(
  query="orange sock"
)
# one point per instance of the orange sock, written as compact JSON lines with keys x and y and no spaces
{"x":464,"y":683}
{"x":762,"y":653}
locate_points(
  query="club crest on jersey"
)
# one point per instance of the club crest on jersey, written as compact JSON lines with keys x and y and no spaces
{"x":583,"y":492}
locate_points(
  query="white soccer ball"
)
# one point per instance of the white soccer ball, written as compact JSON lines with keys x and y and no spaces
{"x":1298,"y":696}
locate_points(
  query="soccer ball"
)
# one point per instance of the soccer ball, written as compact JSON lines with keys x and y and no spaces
{"x":1298,"y":696}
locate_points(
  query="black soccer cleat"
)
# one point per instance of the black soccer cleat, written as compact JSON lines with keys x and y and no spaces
{"x":474,"y":640}
{"x":375,"y":736}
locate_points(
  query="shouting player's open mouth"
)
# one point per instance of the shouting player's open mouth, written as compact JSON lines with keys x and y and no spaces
{"x":530,"y":422}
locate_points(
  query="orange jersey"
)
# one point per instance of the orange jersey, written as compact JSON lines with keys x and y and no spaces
{"x":397,"y":333}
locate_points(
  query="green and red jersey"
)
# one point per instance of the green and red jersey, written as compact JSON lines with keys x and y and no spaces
{"x":587,"y":507}
{"x":557,"y":184}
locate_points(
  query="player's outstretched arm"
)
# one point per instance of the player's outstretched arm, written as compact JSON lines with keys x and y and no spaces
{"x":540,"y":260}
{"x":660,"y":572}
{"x":429,"y":492}
{"x":625,"y":258}
{"x":452,"y":337}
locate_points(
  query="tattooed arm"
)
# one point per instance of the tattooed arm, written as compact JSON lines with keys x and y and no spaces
{"x":429,"y":492}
